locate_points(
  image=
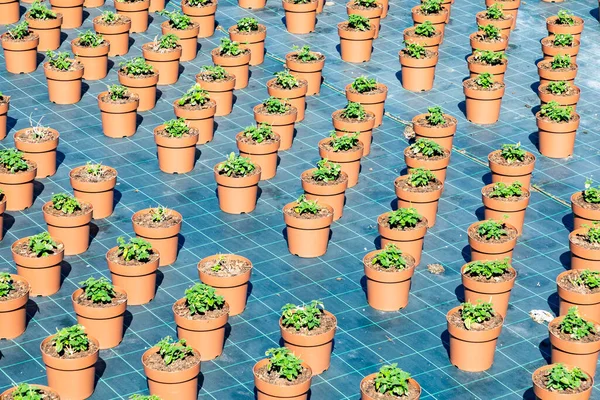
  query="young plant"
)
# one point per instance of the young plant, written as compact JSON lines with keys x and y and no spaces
{"x":359,"y":23}
{"x":575,"y":326}
{"x":404,"y":218}
{"x":59,"y":60}
{"x":247,"y":24}
{"x":414,"y":50}
{"x":71,"y":340}
{"x":109,"y":17}
{"x":561,"y":61}
{"x":492,"y":230}
{"x":177,"y":20}
{"x":343,"y":143}
{"x":305,"y":206}
{"x":476,"y":313}
{"x":195,"y":96}
{"x":327,"y":171}
{"x":556,"y":112}
{"x":286,"y":80}
{"x":563,"y":39}
{"x":390,"y":257}
{"x":489,"y":57}
{"x":565,"y":18}
{"x":420,"y":177}
{"x":431,"y":6}
{"x":354,"y":111}
{"x":236,"y":166}
{"x":588,"y":278}
{"x":366,"y":3}
{"x":487,"y":269}
{"x":284,"y":363}
{"x":276,"y":106}
{"x":593,"y":233}
{"x":501,"y":189}
{"x":42,"y":245}
{"x":6,"y":284}
{"x":40,"y":11}
{"x":307,"y":316}
{"x":198,"y":3}
{"x":98,"y":290}
{"x":560,"y":378}
{"x":171,"y":351}
{"x":90,"y":39}
{"x":136,"y":249}
{"x":259,"y":133}
{"x":19,"y":31}
{"x":427,"y":148}
{"x":591,"y":194}
{"x":362,"y":84}
{"x":159,"y":214}
{"x":485,"y":80}
{"x":144,"y":397}
{"x":392,"y":381}
{"x":117,"y":92}
{"x":202,"y":298}
{"x":229,"y":48}
{"x":65,"y":203}
{"x":513,"y":152}
{"x":13,"y":161}
{"x":136,"y":67}
{"x":558,"y":87}
{"x":304,"y":54}
{"x":425,"y":29}
{"x":489,"y":32}
{"x":214,"y":73}
{"x":24,"y":391}
{"x":494,"y":12}
{"x":176,"y":127}
{"x":435,"y":116}
{"x":166,"y":42}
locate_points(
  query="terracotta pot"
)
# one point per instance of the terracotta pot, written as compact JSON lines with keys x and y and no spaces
{"x":71,"y":10}
{"x":481,"y":45}
{"x":418,"y":73}
{"x":72,"y":378}
{"x":103,"y":323}
{"x":156,"y":5}
{"x":175,"y":155}
{"x":221,"y":93}
{"x":270,"y":391}
{"x":483,"y":106}
{"x":373,"y":102}
{"x":442,"y":135}
{"x":99,"y":194}
{"x":233,"y":288}
{"x":504,"y":25}
{"x":429,"y":43}
{"x":385,"y":6}
{"x":48,"y":31}
{"x":510,"y":7}
{"x":13,"y":313}
{"x":547,"y":74}
{"x":138,"y":281}
{"x":365,"y":396}
{"x":118,"y":119}
{"x":388,"y":290}
{"x":93,"y":3}
{"x":204,"y":16}
{"x":471,"y":350}
{"x":513,"y":211}
{"x":42,"y":273}
{"x":557,"y":140}
{"x":581,"y":257}
{"x":348,"y":160}
{"x":497,"y":293}
{"x":252,"y":4}
{"x":307,"y":238}
{"x":300,"y":18}
{"x":237,"y":195}
{"x":331,"y":193}
{"x":236,"y":66}
{"x":166,"y":64}
{"x":426,"y":203}
{"x":372,"y":13}
{"x":550,"y":51}
{"x":188,"y":39}
{"x":138,"y":13}
{"x":364,"y":128}
{"x":296,"y":96}
{"x":9,"y":12}
{"x":94,"y":59}
{"x":314,"y":350}
{"x":45,"y":389}
{"x":206,"y":336}
{"x":311,"y":71}
{"x":497,"y":71}
{"x":42,"y":153}
{"x":481,"y":251}
{"x":281,"y":124}
{"x":588,"y":305}
{"x":574,"y":29}
{"x":511,"y":173}
{"x":18,"y":188}
{"x":20,"y":57}
{"x":182,"y":385}
{"x":579,"y":353}
{"x":164,"y":240}
{"x":144,"y":87}
{"x":254,"y":40}
{"x":436,"y":165}
{"x":581,"y":215}
{"x":409,"y":241}
{"x":355,"y":45}
{"x":203,"y":119}
{"x":72,"y":230}
{"x":2,"y":209}
{"x":562,"y":100}
{"x":543,"y":393}
{"x":262,"y":154}
{"x":438,"y":20}
{"x":64,"y":87}
{"x":117,"y":35}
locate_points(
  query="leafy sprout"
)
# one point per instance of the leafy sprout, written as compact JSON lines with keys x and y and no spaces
{"x":425,"y":28}
{"x":260,"y":133}
{"x":354,"y":111}
{"x":42,"y":244}
{"x":561,"y":61}
{"x":502,"y":190}
{"x":171,"y":351}
{"x":195,"y":96}
{"x":556,"y":112}
{"x":284,"y":363}
{"x":71,"y":340}
{"x":560,"y":378}
{"x":435,"y":116}
{"x":414,"y":50}
{"x":390,"y":257}
{"x":513,"y":152}
{"x":236,"y":166}
{"x":40,"y":11}
{"x":136,"y":67}
{"x":229,"y":48}
{"x":117,"y":92}
{"x":274,"y":105}
{"x":489,"y":32}
{"x":488,"y":268}
{"x":304,"y":206}
{"x":476,"y":313}
{"x":98,"y":290}
{"x":558,"y":87}
{"x":177,"y":20}
{"x":90,"y":39}
{"x":358,"y":22}
{"x":13,"y":161}
{"x":489,"y":57}
{"x":306,"y":316}
{"x":363,"y":84}
{"x":247,"y":24}
{"x":427,"y":148}
{"x":327,"y":171}
{"x":404,"y":218}
{"x":431,"y":6}
{"x":202,"y":298}
{"x":136,"y":249}
{"x":575,"y":326}
{"x":492,"y":230}
{"x":565,"y":18}
{"x":591,"y":194}
{"x":19,"y":31}
{"x":420,"y":177}
{"x":392,"y":381}
{"x":304,"y":54}
{"x":343,"y":143}
{"x":59,"y":60}
{"x":286,"y":80}
{"x":66,"y":203}
{"x":176,"y":127}
{"x":6,"y":284}
{"x":563,"y":39}
{"x":485,"y":80}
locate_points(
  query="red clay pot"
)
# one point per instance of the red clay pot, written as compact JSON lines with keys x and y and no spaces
{"x":188,"y":39}
{"x":165,"y":240}
{"x":269,"y":391}
{"x":201,"y":119}
{"x":281,"y":124}
{"x":42,"y":273}
{"x":483,"y":106}
{"x":429,"y":43}
{"x":296,"y":96}
{"x":579,"y":353}
{"x":99,"y":194}
{"x":137,"y":11}
{"x":72,"y":230}
{"x":48,"y":31}
{"x":550,"y":51}
{"x":263,"y":154}
{"x":179,"y":385}
{"x":144,"y":87}
{"x":543,"y":393}
{"x":116,"y":34}
{"x":64,"y":87}
{"x":20,"y":57}
{"x":311,"y":71}
{"x":388,"y":290}
{"x":574,"y":29}
{"x":138,"y":281}
{"x":236,"y":66}
{"x":9,"y":12}
{"x":364,"y":128}
{"x":491,"y":251}
{"x":45,"y":389}
{"x":307,"y":238}
{"x":252,"y":4}
{"x":496,"y":208}
{"x":204,"y":16}
{"x":442,"y":135}
{"x":71,"y":10}
{"x":437,"y":165}
{"x":581,"y":215}
{"x":509,"y":7}
{"x":588,"y":305}
{"x":254,"y":40}
{"x":355,"y":45}
{"x":511,"y":173}
{"x":548,"y":75}
{"x":409,"y":241}
{"x":94,"y":59}
{"x":426,"y":203}
{"x":348,"y":160}
{"x":562,"y":100}
{"x":373,"y":101}
{"x":13,"y":313}
{"x":497,"y":293}
{"x":221,"y":93}
{"x":331,"y":193}
{"x":372,"y":13}
{"x":42,"y":153}
{"x":300,"y":18}
{"x":118,"y":119}
{"x":237,"y":195}
{"x":497,"y":71}
{"x":582,"y":258}
{"x":18,"y":188}
{"x":557,"y":139}
{"x":166,"y":64}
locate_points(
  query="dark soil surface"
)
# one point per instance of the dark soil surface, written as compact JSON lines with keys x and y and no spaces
{"x":113,"y":255}
{"x":574,"y":117}
{"x":183,"y":311}
{"x":456,"y":320}
{"x":121,"y":72}
{"x":571,"y":91}
{"x":410,"y":262}
{"x":28,"y":136}
{"x":121,"y":20}
{"x":6,"y":171}
{"x":129,"y":98}
{"x":378,"y":89}
{"x":261,"y":28}
{"x":541,"y":379}
{"x":191,"y":132}
{"x":368,"y":386}
{"x":301,"y":83}
{"x":327,"y":323}
{"x":310,"y":179}
{"x":338,"y":117}
{"x":274,"y":379}
{"x":566,"y":282}
{"x":75,"y":66}
{"x":155,"y":362}
{"x":497,"y":158}
{"x":592,"y":337}
{"x":153,"y":47}
{"x":83,"y":176}
{"x":428,"y":54}
{"x":507,"y":276}
{"x":262,"y":110}
{"x":30,"y":36}
{"x":327,"y":146}
{"x":384,"y":221}
{"x":217,"y":51}
{"x":485,"y":39}
{"x":472,"y":84}
{"x":547,"y":65}
{"x":431,"y":186}
{"x":20,"y":290}
{"x":206,"y":77}
{"x":323,"y":213}
{"x":584,"y":204}
{"x":511,"y":234}
{"x":23,"y":250}
{"x":253,"y":172}
{"x":45,"y":395}
{"x":229,"y":267}
{"x":450,"y":121}
{"x":85,"y":208}
{"x":145,"y":220}
{"x":547,"y":41}
{"x":345,"y":27}
{"x":120,"y":298}
{"x":489,"y":190}
{"x":419,"y":156}
{"x":205,"y":106}
{"x":50,"y":350}
{"x":320,"y":57}
{"x":582,"y":241}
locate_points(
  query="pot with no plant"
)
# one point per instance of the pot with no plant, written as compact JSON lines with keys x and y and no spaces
{"x":427,"y":154}
{"x":300,"y":16}
{"x":488,"y":37}
{"x":163,"y":55}
{"x":506,"y":201}
{"x":46,"y":24}
{"x":70,"y":356}
{"x":219,"y":84}
{"x":425,"y":35}
{"x":136,"y":11}
{"x":492,"y":62}
{"x":95,"y":184}
{"x":20,"y":49}
{"x":562,"y":92}
{"x":26,"y":391}
{"x":71,"y":10}
{"x":489,"y":280}
{"x":389,"y":273}
{"x":201,"y":317}
{"x":115,"y":29}
{"x":584,"y":244}
{"x":229,"y":275}
{"x":435,"y":125}
{"x":290,"y":89}
{"x":422,"y":190}
{"x":560,"y":43}
{"x":492,"y":240}
{"x":354,"y":118}
{"x":432,"y":11}
{"x":14,"y":295}
{"x":586,"y":205}
{"x":187,"y":31}
{"x":308,"y":331}
{"x":234,"y":59}
{"x":282,"y":376}
{"x":250,"y":35}
{"x":91,"y":50}
{"x":306,"y":64}
{"x":160,"y":227}
{"x":326,"y":184}
{"x":203,"y":13}
{"x":38,"y":144}
{"x":38,"y":260}
{"x":176,"y":146}
{"x":371,"y":96}
{"x":198,"y":111}
{"x":390,"y":382}
{"x":496,"y":17}
{"x":281,"y":115}
{"x":356,"y":39}
{"x":369,"y":9}
{"x":557,"y":127}
{"x":63,"y":76}
{"x":307,"y":227}
{"x":559,"y":68}
{"x":474,"y":331}
{"x":418,"y":67}
{"x":172,"y":368}
{"x":118,"y":111}
{"x":560,"y":381}
{"x":237,"y":184}
{"x":579,"y":288}
{"x":133,"y":266}
{"x":100,"y":309}
{"x":16,"y":179}
{"x":405,"y":228}
{"x":565,"y":22}
{"x":346,"y":150}
{"x":140,"y":78}
{"x":512,"y":164}
{"x":509,"y":7}
{"x":260,"y":144}
{"x":483,"y":98}
{"x":68,"y":220}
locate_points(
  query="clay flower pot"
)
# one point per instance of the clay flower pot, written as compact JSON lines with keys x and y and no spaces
{"x":441,"y":134}
{"x":332,"y":193}
{"x":481,"y":42}
{"x":237,"y":195}
{"x":13,"y":309}
{"x":504,"y":24}
{"x":409,"y":241}
{"x":104,"y":321}
{"x":20,"y":56}
{"x":42,"y":151}
{"x":472,"y":350}
{"x":263,"y":154}
{"x":96,"y":190}
{"x":584,"y":254}
{"x":584,"y":213}
{"x":137,"y":279}
{"x":569,"y":98}
{"x":483,"y":104}
{"x":136,"y":11}
{"x":71,"y":376}
{"x":168,"y":383}
{"x":42,"y":273}
{"x":438,"y":20}
{"x":512,"y":208}
{"x":348,"y":160}
{"x":221,"y":92}
{"x":300,"y":18}
{"x":119,"y":117}
{"x":116,"y":33}
{"x":477,"y":68}
{"x":46,"y":391}
{"x":582,"y":353}
{"x":483,"y":249}
{"x":553,"y":26}
{"x":509,"y":7}
{"x":230,"y":282}
{"x":429,"y":43}
{"x":200,"y":118}
{"x":18,"y":187}
{"x":252,"y":40}
{"x":2,"y":210}
{"x":388,"y":288}
{"x":508,"y":172}
{"x":164,"y":61}
{"x":188,"y":39}
{"x":369,"y":382}
{"x":543,"y":393}
{"x":203,"y":15}
{"x":295,"y":96}
{"x":162,"y":235}
{"x":271,"y":391}
{"x":238,"y":66}
{"x":48,"y":31}
{"x":355,"y":45}
{"x":93,"y":3}
{"x":307,"y":236}
{"x":313,"y":349}
{"x":93,"y":59}
{"x":372,"y":13}
{"x":71,"y":10}
{"x":156,"y":5}
{"x":9,"y":12}
{"x":144,"y":86}
{"x":548,"y":74}
{"x":364,"y":128}
{"x":436,"y":164}
{"x":424,"y":199}
{"x":418,"y":73}
{"x":557,"y":139}
{"x":495,"y":290}
{"x":205,"y":332}
{"x":585,"y":299}
{"x":71,"y":229}
{"x":282,"y":124}
{"x":373,"y":101}
{"x":64,"y":87}
{"x":252,"y":4}
{"x":176,"y":155}
{"x":312,"y":71}
{"x":550,"y":50}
